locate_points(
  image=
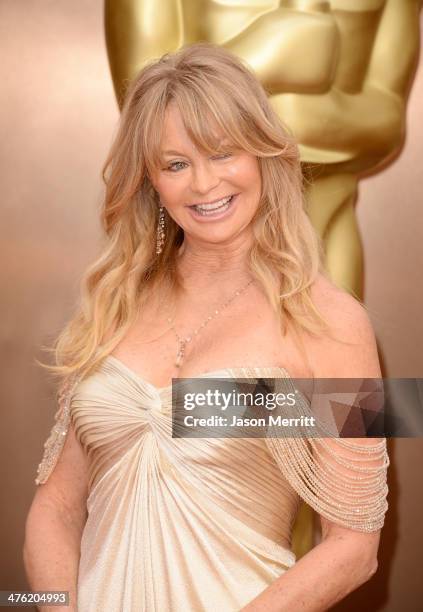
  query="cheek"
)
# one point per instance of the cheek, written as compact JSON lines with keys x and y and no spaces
{"x":247,"y":173}
{"x":170,"y":189}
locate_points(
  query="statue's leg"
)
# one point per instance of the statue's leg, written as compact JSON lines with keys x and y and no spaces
{"x":303,"y":531}
{"x":344,"y":253}
{"x":331,"y":208}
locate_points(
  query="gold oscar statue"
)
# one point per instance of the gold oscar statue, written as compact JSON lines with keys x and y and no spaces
{"x":338,"y":73}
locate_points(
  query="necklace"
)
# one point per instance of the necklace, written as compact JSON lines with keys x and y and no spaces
{"x":182,"y":342}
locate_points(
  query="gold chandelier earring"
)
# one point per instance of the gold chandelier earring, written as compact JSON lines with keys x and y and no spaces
{"x":160,"y":231}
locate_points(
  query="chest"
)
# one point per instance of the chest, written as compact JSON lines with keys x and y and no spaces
{"x":247,"y":333}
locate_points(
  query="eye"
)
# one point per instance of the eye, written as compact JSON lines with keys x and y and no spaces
{"x":176,"y":166}
{"x":222,"y":155}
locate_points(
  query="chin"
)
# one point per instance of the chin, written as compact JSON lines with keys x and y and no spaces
{"x":221,"y":236}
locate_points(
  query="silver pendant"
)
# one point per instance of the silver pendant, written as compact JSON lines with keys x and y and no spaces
{"x":180,"y":355}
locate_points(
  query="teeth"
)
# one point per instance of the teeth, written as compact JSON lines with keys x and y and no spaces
{"x":214,"y":205}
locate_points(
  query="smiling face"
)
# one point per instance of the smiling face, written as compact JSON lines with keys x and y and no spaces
{"x":213,"y":197}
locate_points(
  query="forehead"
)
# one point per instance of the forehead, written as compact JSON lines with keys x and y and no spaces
{"x":173,"y":130}
{"x":176,"y":131}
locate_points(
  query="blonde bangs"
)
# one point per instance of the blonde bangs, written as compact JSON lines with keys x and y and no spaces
{"x":211,"y":113}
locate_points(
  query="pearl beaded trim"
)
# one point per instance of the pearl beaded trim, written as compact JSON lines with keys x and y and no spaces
{"x":343,"y":480}
{"x":56,"y":440}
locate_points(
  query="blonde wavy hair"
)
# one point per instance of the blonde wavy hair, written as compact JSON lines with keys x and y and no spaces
{"x":212,"y":89}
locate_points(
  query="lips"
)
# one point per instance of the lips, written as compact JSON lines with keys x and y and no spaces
{"x":219,"y":205}
{"x":209,"y":206}
{"x":215,"y":209}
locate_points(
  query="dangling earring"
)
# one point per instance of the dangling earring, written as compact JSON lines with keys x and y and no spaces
{"x":160,"y":231}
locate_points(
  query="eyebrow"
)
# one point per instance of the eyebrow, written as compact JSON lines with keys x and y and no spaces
{"x":172,"y":153}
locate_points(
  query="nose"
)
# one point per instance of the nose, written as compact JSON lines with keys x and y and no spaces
{"x":204,"y":177}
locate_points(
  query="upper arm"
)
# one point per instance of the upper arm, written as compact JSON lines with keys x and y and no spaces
{"x":66,"y":488}
{"x":352,"y":355}
{"x":62,"y":476}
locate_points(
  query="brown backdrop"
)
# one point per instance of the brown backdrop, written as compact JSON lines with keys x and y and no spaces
{"x":57,"y":121}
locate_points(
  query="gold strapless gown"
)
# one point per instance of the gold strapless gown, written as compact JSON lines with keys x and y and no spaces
{"x":181,"y":524}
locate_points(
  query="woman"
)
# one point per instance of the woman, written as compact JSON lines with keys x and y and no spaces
{"x":210,"y":268}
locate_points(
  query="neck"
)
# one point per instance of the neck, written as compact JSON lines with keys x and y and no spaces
{"x":204,"y":264}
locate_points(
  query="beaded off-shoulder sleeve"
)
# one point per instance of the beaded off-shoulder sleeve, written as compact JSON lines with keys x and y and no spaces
{"x":54,"y":444}
{"x":343,"y":479}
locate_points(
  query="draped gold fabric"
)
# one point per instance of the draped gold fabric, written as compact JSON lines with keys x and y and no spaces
{"x":185,"y":524}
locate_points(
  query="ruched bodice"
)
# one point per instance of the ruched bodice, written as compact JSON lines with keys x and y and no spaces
{"x":196,"y":524}
{"x":174,"y":524}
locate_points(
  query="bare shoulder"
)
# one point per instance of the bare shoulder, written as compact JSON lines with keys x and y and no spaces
{"x":345,"y":314}
{"x":350,"y":347}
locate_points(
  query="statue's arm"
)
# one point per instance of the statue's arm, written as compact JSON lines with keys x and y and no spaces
{"x":395,"y":50}
{"x":290,"y":50}
{"x":137,"y":31}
